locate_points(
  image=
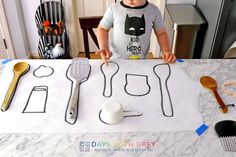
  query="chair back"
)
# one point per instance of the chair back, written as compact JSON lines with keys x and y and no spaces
{"x":87,"y":24}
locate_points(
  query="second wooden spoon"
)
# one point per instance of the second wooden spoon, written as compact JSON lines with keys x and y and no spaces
{"x":211,"y":84}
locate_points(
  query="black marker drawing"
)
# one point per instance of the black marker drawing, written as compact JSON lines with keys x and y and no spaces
{"x":139,"y":82}
{"x":69,"y":120}
{"x":163,"y":72}
{"x":43,"y":71}
{"x":37,"y":100}
{"x":109,"y":72}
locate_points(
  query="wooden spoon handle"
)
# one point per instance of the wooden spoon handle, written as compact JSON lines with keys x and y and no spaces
{"x":10,"y":93}
{"x":220,"y":101}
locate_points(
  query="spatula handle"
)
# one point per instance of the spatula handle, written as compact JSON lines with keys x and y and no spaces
{"x":10,"y":92}
{"x":74,"y":100}
{"x":220,"y":102}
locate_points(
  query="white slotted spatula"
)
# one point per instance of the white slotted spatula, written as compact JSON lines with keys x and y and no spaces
{"x":79,"y":71}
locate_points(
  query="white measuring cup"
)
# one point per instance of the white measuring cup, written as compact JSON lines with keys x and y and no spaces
{"x":112,"y":112}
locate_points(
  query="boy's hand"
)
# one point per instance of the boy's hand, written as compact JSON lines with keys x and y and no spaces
{"x":168,"y":57}
{"x":105,"y":55}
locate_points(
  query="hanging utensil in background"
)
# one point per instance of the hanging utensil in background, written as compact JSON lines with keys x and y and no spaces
{"x":58,"y":51}
{"x":211,"y":84}
{"x":229,"y":88}
{"x":226,"y":131}
{"x":79,"y":71}
{"x":19,"y":69}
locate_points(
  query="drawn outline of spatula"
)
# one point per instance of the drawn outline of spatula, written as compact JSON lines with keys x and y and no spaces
{"x":166,"y":105}
{"x":79,"y":71}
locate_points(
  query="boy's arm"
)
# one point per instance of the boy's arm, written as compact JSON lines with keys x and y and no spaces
{"x":164,"y":43}
{"x":102,"y":37}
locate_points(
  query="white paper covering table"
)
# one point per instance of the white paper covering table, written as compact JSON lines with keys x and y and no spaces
{"x":183,"y":92}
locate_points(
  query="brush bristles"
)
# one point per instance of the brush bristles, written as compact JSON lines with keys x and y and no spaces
{"x":228,"y":143}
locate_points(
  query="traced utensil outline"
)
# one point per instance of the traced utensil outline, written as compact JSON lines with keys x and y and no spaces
{"x":45,"y":101}
{"x":167,"y":90}
{"x":105,"y":79}
{"x":34,"y":73}
{"x":126,"y":84}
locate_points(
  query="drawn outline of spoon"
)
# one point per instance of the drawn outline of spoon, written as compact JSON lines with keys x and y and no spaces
{"x":107,"y":90}
{"x":167,"y":113}
{"x":19,"y":70}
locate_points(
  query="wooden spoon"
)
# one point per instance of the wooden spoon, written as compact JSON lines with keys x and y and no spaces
{"x":19,"y":69}
{"x":211,"y":84}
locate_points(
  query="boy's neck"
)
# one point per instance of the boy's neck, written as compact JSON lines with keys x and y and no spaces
{"x":134,"y":4}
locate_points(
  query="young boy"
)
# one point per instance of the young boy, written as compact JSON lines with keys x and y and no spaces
{"x":132,"y":22}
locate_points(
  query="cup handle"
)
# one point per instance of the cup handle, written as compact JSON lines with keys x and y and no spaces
{"x":132,"y":113}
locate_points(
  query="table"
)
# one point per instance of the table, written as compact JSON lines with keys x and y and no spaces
{"x":164,"y":144}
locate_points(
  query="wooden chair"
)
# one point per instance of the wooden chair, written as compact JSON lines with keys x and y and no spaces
{"x":87,"y":24}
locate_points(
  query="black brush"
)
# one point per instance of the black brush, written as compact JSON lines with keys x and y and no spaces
{"x":226,"y":131}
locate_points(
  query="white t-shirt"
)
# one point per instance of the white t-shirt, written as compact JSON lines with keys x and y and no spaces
{"x":132,"y":28}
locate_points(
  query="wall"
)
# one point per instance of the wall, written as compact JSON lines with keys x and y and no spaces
{"x":16,"y":27}
{"x":72,"y":26}
{"x":28,"y":10}
{"x":6,"y":33}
